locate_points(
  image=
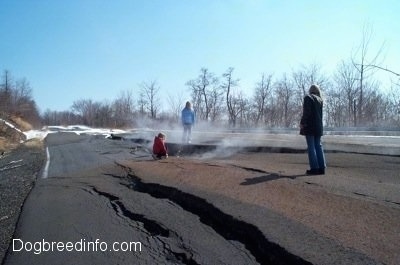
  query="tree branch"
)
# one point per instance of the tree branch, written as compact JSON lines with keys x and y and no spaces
{"x":384,"y":69}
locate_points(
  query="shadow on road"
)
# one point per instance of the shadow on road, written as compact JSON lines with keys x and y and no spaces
{"x":269,"y":177}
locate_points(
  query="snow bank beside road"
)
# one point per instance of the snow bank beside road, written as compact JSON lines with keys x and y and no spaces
{"x":34,"y":134}
{"x":42,"y":134}
{"x":78,"y":129}
{"x":11,"y":125}
{"x":10,"y":132}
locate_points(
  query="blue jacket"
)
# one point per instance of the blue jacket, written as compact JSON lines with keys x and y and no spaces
{"x":188,"y":116}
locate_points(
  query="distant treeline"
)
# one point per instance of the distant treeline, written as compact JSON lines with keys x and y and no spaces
{"x":273,"y":103}
{"x":351,"y":99}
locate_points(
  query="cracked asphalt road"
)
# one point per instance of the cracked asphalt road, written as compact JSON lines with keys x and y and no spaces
{"x":98,"y":192}
{"x":86,"y":197}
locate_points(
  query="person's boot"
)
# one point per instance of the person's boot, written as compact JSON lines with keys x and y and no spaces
{"x":313,"y":171}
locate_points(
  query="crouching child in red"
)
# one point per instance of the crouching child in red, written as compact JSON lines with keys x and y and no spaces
{"x":159,"y":147}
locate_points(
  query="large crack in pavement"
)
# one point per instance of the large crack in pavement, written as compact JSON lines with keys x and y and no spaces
{"x":152,"y":227}
{"x":230,"y":228}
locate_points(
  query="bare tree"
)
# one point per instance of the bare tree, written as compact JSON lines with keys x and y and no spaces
{"x":216,"y":103}
{"x":285,"y":104}
{"x":237,"y":105}
{"x":20,"y":97}
{"x":103,"y":115}
{"x":305,"y":77}
{"x":334,"y":108}
{"x":22,"y":103}
{"x":394,"y":100}
{"x":375,"y":107}
{"x":176,"y":103}
{"x":384,"y":69}
{"x":365,"y":66}
{"x":261,"y":93}
{"x":86,"y":108}
{"x":150,"y":91}
{"x":123,"y":109}
{"x":60,"y":118}
{"x":16,"y":100}
{"x":232,"y":100}
{"x":346,"y":84}
{"x":142,"y":102}
{"x":201,"y":89}
{"x":243,"y":112}
{"x":5,"y":92}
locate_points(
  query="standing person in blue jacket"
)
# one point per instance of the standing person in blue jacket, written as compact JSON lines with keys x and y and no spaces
{"x":311,"y":127}
{"x":188,"y":119}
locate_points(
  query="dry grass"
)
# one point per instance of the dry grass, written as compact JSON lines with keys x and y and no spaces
{"x":21,"y":124}
{"x":36,"y":143}
{"x":6,"y":145}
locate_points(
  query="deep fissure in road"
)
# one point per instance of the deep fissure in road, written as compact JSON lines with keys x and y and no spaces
{"x":264,"y":251}
{"x":151,"y":226}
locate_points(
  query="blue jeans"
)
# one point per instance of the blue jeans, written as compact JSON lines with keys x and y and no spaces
{"x":187,"y":133}
{"x":316,"y":155}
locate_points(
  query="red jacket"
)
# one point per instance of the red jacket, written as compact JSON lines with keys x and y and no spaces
{"x":159,"y":147}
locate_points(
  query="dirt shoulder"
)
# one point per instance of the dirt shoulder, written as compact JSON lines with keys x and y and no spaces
{"x":355,"y":207}
{"x":19,"y":168}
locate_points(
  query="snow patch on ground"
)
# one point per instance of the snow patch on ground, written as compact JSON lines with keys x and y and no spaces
{"x":78,"y":129}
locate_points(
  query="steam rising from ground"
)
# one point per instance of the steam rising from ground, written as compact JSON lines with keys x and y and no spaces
{"x":226,"y":142}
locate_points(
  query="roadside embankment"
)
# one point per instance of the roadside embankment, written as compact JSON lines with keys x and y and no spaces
{"x":19,"y":169}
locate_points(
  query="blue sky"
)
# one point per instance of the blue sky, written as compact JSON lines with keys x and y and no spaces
{"x":87,"y":49}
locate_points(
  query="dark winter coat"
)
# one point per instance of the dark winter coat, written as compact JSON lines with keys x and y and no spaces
{"x":311,"y":121}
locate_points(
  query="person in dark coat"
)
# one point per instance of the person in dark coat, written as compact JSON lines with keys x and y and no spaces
{"x":311,"y":127}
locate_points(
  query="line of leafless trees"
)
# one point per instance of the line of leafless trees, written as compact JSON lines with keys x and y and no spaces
{"x":127,"y":110}
{"x":353,"y":97}
{"x":16,"y":99}
{"x":274,"y":102}
{"x":278,"y":102}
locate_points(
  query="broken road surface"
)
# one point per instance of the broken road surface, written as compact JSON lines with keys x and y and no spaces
{"x":108,"y":202}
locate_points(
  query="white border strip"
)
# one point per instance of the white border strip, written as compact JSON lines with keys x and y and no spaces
{"x":46,"y":168}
